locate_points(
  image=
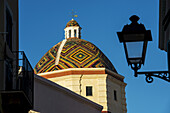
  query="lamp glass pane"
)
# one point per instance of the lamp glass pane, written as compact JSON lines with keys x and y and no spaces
{"x":134,"y":50}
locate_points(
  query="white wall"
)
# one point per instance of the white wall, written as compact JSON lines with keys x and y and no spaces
{"x":52,"y":98}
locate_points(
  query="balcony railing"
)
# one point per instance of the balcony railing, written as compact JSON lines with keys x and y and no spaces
{"x":18,"y":96}
{"x":25,"y":78}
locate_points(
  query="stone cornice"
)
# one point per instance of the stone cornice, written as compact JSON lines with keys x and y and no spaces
{"x":79,"y":71}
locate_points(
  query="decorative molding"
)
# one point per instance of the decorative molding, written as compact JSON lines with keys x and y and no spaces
{"x":59,"y":51}
{"x":78,"y":71}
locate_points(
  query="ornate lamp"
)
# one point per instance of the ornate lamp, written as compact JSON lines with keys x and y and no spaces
{"x":135,"y":38}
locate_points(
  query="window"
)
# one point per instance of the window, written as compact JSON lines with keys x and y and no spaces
{"x":115,"y":95}
{"x":89,"y":91}
{"x":9,"y":28}
{"x":69,"y":33}
{"x":75,"y":33}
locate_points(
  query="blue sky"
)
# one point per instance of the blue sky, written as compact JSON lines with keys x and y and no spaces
{"x":42,"y":24}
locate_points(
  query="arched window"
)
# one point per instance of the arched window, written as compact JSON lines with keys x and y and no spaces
{"x":69,"y":33}
{"x":75,"y":33}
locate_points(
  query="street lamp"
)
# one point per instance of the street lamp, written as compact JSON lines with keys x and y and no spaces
{"x":135,"y":38}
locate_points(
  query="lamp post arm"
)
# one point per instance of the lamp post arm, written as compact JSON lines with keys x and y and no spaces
{"x":159,"y":74}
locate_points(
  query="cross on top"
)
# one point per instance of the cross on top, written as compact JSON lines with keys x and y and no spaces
{"x":73,"y":14}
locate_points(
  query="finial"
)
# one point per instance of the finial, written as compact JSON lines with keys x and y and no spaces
{"x":73,"y":14}
{"x":134,"y":18}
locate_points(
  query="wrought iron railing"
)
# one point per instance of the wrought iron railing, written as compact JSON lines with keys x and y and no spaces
{"x":25,"y":76}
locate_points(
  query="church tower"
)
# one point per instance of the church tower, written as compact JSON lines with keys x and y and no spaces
{"x":80,"y":66}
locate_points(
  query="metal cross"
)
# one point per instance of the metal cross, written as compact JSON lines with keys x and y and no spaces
{"x":73,"y":14}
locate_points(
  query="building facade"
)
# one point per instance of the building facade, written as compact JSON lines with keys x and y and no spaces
{"x":164,"y":24}
{"x":80,"y":66}
{"x":8,"y":43}
{"x":16,"y":87}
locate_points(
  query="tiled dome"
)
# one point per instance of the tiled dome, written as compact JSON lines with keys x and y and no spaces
{"x":72,"y":23}
{"x":76,"y":53}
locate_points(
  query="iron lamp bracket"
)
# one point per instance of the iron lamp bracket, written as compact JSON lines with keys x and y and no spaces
{"x":164,"y":75}
{"x":159,"y":74}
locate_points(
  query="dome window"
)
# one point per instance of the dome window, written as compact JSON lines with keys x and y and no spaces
{"x":69,"y":33}
{"x":75,"y":33}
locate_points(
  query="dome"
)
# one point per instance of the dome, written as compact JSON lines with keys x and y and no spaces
{"x":72,"y":23}
{"x":75,"y":53}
